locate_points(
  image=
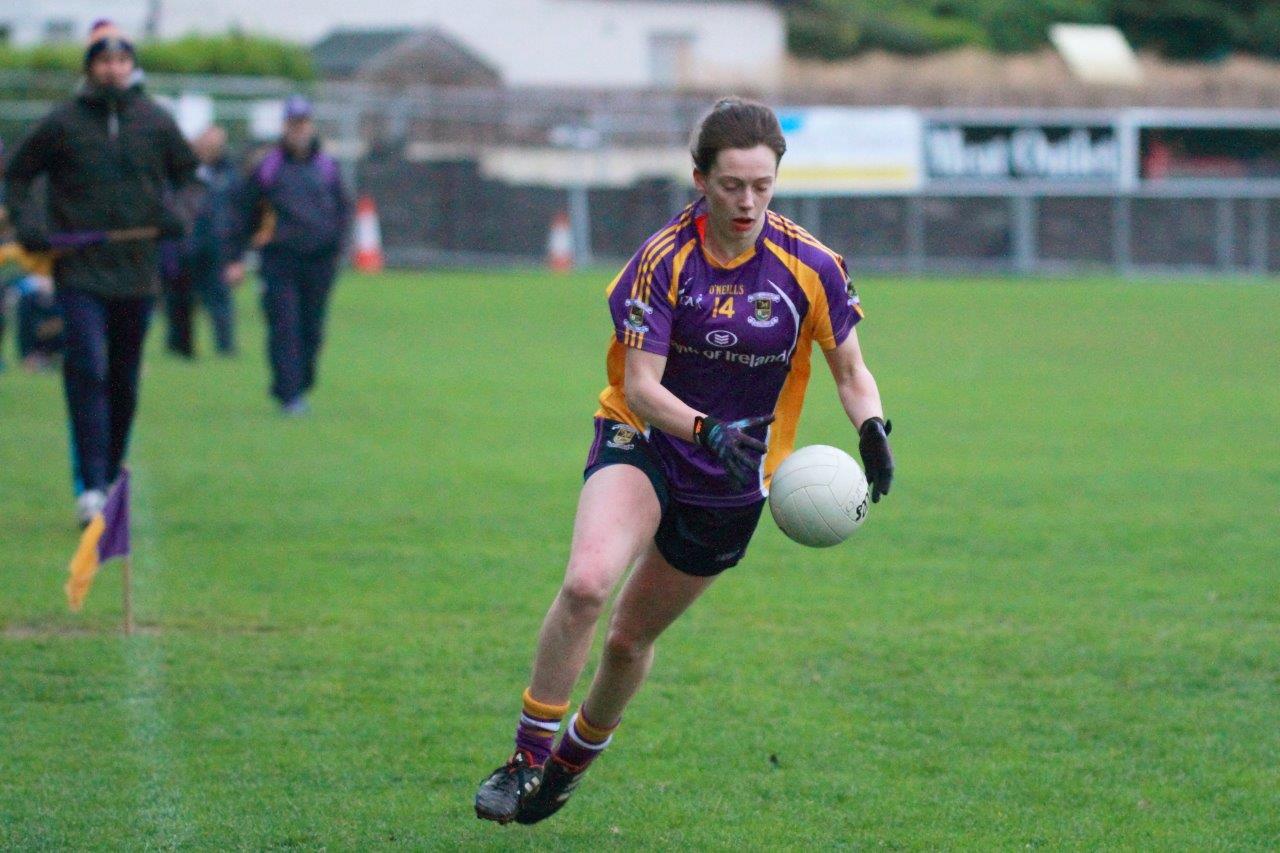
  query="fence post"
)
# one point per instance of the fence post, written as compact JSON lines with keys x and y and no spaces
{"x":677,"y":195}
{"x":580,"y":216}
{"x":811,"y":212}
{"x":349,"y":163}
{"x":1122,"y":232}
{"x":1023,"y":216}
{"x":1225,"y":234}
{"x":915,"y":234}
{"x":1258,"y":248}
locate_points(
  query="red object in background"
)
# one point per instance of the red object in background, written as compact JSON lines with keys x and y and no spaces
{"x":1158,"y":161}
{"x":368,"y":236}
{"x":560,"y":243}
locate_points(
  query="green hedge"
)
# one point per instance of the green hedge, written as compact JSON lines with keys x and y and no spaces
{"x":250,"y":56}
{"x":1181,"y":29}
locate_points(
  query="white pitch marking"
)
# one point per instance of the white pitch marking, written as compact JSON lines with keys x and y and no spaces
{"x":163,"y":817}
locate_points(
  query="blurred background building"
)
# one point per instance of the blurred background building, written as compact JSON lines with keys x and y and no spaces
{"x":920,"y":138}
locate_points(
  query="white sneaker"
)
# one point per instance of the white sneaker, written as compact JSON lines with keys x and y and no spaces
{"x":89,"y":504}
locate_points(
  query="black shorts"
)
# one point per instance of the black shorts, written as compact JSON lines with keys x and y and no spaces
{"x":698,"y":540}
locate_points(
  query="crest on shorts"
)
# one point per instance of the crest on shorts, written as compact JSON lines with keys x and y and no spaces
{"x":762,"y":310}
{"x":638,"y":313}
{"x":623,"y":438}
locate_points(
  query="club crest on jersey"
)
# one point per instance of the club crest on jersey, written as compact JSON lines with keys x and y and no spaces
{"x":623,"y":438}
{"x":850,"y":289}
{"x":762,"y":310}
{"x":638,"y":313}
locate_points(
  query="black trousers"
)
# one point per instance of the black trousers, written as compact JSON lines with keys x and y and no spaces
{"x":100,"y":369}
{"x":181,"y":289}
{"x":295,"y":299}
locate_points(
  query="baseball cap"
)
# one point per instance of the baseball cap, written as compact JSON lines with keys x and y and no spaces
{"x":297,"y":106}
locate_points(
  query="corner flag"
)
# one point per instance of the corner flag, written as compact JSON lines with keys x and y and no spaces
{"x":107,"y":536}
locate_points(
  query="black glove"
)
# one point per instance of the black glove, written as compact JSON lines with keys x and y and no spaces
{"x":34,"y":239}
{"x":877,"y":458}
{"x":731,"y":444}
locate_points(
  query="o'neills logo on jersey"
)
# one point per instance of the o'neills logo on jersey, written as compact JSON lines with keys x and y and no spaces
{"x":637,"y":315}
{"x":762,"y":310}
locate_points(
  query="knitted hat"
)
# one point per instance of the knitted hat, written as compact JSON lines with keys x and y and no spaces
{"x":104,"y":35}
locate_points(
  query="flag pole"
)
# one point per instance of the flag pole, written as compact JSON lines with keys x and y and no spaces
{"x":126,"y":577}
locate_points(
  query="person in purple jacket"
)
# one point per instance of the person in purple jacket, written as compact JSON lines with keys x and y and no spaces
{"x":302,"y":188}
{"x":714,"y":320}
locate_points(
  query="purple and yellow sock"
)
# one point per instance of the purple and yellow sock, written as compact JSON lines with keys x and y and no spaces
{"x":539,"y":723}
{"x":583,"y":741}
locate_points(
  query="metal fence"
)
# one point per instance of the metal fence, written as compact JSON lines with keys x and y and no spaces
{"x":449,"y":214}
{"x":1141,"y":233}
{"x":445,"y":211}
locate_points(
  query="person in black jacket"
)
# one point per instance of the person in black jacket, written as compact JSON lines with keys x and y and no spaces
{"x":113,"y":158}
{"x":196,"y":267}
{"x":302,"y":188}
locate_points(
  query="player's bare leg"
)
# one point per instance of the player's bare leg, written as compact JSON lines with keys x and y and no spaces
{"x":652,"y":598}
{"x":618,"y":513}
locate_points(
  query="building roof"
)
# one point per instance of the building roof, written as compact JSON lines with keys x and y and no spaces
{"x":430,"y":57}
{"x":401,"y":56}
{"x":342,"y":52}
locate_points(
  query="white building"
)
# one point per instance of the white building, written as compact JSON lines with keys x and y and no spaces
{"x":578,"y":43}
{"x":27,"y":23}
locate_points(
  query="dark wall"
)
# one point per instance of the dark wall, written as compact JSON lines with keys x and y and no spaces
{"x":448,"y":209}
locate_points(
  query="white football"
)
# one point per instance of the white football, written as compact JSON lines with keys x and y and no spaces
{"x":818,"y":496}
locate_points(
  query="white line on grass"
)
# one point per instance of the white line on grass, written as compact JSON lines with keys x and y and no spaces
{"x":162,"y":817}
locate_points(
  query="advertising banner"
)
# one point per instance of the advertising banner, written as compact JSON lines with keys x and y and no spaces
{"x":1171,"y":153}
{"x":850,"y":151}
{"x":1012,"y":153}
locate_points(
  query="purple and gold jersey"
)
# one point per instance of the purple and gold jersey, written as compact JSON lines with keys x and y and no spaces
{"x":737,"y":338}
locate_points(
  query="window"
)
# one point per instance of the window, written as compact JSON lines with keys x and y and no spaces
{"x":670,"y":58}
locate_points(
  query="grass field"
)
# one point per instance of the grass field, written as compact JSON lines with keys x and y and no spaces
{"x":1062,"y":629}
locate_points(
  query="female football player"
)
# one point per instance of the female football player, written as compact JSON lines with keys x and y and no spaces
{"x":714,"y":319}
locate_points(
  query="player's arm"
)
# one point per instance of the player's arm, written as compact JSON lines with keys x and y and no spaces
{"x":180,"y":161}
{"x":178,"y":206}
{"x":648,"y":398}
{"x":861,"y":400}
{"x":244,"y":215}
{"x":29,"y":160}
{"x":344,"y":208}
{"x":854,"y":382}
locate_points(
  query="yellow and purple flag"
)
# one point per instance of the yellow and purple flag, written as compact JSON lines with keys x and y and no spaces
{"x":107,"y":536}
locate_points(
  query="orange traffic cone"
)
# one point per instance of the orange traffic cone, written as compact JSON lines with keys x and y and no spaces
{"x":560,"y":243}
{"x":368,"y":236}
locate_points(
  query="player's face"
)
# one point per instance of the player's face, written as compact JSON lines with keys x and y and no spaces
{"x":111,"y":69}
{"x":738,"y":188}
{"x":210,"y":145}
{"x":298,"y":133}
